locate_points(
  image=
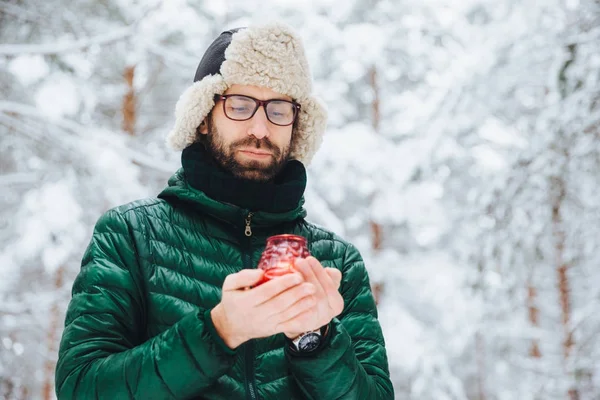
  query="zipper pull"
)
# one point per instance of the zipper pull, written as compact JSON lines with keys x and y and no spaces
{"x":248,"y":230}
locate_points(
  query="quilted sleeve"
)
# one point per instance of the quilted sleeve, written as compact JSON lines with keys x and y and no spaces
{"x":352,"y":363}
{"x":102,"y":354}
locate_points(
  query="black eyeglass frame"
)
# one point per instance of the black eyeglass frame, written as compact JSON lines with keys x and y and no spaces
{"x":258,"y":103}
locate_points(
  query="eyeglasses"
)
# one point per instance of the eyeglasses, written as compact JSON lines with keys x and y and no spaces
{"x":242,"y":108}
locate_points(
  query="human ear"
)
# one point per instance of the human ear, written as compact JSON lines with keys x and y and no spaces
{"x":203,"y":128}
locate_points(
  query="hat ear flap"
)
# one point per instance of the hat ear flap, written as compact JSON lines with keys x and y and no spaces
{"x":192,"y":108}
{"x":311,"y":125}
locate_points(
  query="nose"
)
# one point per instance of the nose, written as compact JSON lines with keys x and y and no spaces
{"x":259,"y":124}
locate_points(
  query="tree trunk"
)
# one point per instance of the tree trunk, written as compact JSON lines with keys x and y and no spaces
{"x":376,"y":228}
{"x":6,"y":388}
{"x":48,"y":388}
{"x":479,"y":354}
{"x":377,"y":289}
{"x":533,"y":313}
{"x":559,"y":190}
{"x":376,"y":115}
{"x":376,"y":236}
{"x":129,"y":102}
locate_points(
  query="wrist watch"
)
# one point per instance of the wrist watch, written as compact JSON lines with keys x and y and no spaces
{"x":309,"y":341}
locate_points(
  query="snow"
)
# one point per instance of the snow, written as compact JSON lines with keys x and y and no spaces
{"x":320,"y":213}
{"x":18,"y":349}
{"x":495,"y":131}
{"x":475,"y":135}
{"x":58,"y":97}
{"x":64,"y":45}
{"x":403,"y":336}
{"x":29,"y":68}
{"x":82,"y":64}
{"x":488,"y":157}
{"x":217,"y":8}
{"x":52,"y":215}
{"x":364,"y":42}
{"x":9,"y":271}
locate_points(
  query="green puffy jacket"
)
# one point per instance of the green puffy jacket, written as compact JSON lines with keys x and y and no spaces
{"x":138,"y":325}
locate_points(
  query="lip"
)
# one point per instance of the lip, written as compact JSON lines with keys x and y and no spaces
{"x":254,"y":153}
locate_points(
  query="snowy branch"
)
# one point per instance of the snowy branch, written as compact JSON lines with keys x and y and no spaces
{"x":587,"y":37}
{"x":13,"y":308}
{"x":170,"y":56}
{"x":18,"y":178}
{"x":77,"y":129}
{"x":56,"y":48}
{"x":322,"y":213}
{"x":19,"y":12}
{"x":30,"y":130}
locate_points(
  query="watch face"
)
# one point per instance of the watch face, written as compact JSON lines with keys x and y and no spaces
{"x":309,"y":342}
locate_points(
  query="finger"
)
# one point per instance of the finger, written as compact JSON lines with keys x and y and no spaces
{"x":327,"y":284}
{"x":337,"y":305}
{"x":275,"y":286}
{"x":304,"y":267}
{"x":298,"y":307}
{"x":242,"y":279}
{"x":335,"y":275}
{"x":286,"y":299}
{"x":322,"y":276}
{"x":302,"y":322}
{"x":334,"y":299}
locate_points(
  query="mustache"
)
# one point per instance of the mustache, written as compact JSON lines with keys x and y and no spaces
{"x":264,"y":143}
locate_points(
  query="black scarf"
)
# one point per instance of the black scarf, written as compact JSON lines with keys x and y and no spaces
{"x":281,"y":194}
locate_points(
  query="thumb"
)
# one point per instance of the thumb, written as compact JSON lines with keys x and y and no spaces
{"x":242,"y":279}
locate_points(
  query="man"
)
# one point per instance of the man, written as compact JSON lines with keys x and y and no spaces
{"x":166,"y":304}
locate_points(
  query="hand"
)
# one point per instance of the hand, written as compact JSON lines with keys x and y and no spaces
{"x":262,"y":311}
{"x":329,"y":302}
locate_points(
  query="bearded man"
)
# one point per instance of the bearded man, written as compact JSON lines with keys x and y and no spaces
{"x":167,"y":303}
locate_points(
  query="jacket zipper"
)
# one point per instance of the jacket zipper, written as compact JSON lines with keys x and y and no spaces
{"x":248,"y":230}
{"x":249,"y":354}
{"x":249,"y":346}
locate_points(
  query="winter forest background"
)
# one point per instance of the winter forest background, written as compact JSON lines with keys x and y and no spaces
{"x":462,"y":157}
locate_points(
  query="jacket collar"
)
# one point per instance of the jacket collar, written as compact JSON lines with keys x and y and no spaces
{"x":205,"y":187}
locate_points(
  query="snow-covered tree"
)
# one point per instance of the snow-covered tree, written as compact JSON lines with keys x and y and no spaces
{"x":461,"y":158}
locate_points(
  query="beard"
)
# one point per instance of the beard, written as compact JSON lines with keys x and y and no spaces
{"x":254,"y":170}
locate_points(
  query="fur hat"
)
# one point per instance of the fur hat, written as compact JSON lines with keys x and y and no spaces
{"x":270,"y":56}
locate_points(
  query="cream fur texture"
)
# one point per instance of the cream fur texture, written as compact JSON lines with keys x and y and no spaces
{"x":271,"y":56}
{"x":193,"y":105}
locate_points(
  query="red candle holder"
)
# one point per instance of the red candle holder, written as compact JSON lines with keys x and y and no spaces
{"x":280,"y":255}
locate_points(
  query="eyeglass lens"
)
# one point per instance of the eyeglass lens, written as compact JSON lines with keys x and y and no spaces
{"x":242,"y":108}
